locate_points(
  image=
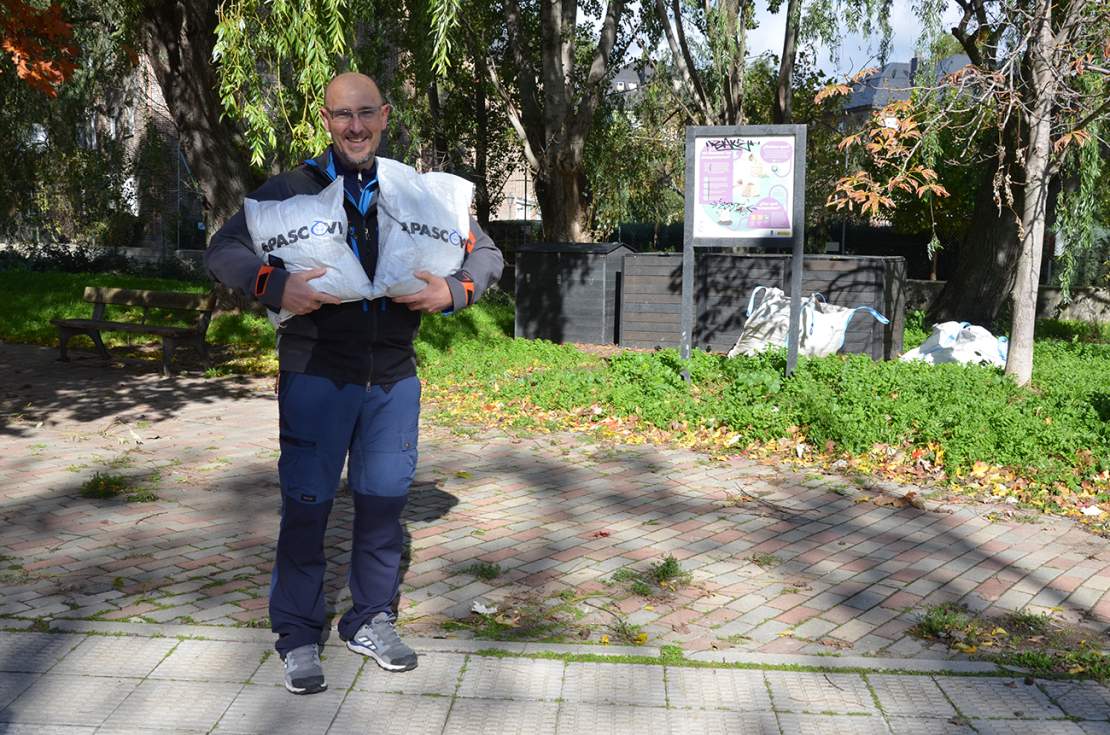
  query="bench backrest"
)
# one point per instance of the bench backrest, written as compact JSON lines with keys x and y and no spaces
{"x":151,"y":299}
{"x":168,"y":300}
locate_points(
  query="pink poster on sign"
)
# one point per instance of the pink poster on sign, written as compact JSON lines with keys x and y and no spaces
{"x":744,"y":187}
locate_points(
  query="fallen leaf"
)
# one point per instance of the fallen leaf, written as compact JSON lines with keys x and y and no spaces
{"x":888,"y":501}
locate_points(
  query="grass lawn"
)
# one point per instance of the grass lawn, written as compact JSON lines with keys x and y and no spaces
{"x":964,"y":426}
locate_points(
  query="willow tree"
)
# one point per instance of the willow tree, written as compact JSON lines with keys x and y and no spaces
{"x":552,"y":73}
{"x":712,"y":81}
{"x":275,"y":58}
{"x":823,"y":21}
{"x":1038,"y":80}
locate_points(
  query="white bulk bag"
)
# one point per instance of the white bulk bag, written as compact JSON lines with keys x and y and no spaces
{"x":423,"y":225}
{"x":960,"y":342}
{"x":824,"y":325}
{"x":768,"y":323}
{"x":309,"y":231}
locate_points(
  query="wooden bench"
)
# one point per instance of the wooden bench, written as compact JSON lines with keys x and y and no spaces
{"x":166,"y":302}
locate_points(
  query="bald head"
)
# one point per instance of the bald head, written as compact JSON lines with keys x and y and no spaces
{"x":349,"y":83}
{"x":355,"y":116}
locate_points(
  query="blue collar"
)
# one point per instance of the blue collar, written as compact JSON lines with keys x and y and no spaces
{"x":360,"y":186}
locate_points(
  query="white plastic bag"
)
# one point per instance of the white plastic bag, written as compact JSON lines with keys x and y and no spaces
{"x":960,"y":342}
{"x":309,"y":231}
{"x":423,"y":225}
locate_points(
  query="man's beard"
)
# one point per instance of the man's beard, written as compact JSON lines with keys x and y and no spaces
{"x":355,"y":163}
{"x":364,"y":160}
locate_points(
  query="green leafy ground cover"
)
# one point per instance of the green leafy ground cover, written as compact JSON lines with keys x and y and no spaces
{"x":966,"y":427}
{"x":1043,"y":644}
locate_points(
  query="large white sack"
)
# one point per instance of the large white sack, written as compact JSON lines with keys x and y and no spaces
{"x":825,"y":325}
{"x":310,"y":231}
{"x":821,"y":329}
{"x":960,"y":342}
{"x":768,"y":323}
{"x":423,"y":225}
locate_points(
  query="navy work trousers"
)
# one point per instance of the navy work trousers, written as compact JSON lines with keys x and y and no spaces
{"x":322,"y":424}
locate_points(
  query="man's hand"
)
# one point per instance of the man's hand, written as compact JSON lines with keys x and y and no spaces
{"x":300,"y":298}
{"x":436,"y":296}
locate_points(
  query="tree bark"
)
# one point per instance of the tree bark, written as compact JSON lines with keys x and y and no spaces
{"x":981,"y":285}
{"x":1019,"y":364}
{"x":553,"y":123}
{"x":441,"y":159}
{"x":784,"y":95}
{"x":481,"y":143}
{"x":560,"y":195}
{"x":178,"y":38}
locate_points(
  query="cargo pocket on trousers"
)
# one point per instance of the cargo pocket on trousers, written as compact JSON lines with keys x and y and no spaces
{"x":299,"y":469}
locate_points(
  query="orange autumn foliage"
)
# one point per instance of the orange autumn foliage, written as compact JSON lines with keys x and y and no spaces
{"x":39,"y":42}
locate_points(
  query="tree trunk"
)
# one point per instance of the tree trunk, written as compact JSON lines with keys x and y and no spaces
{"x":560,"y":198}
{"x":481,"y":143}
{"x":1019,"y":364}
{"x":178,"y":38}
{"x":980,"y":286}
{"x":784,"y":96}
{"x":441,"y":160}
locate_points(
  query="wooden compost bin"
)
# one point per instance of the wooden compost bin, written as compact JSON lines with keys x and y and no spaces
{"x":569,"y":292}
{"x":651,"y":297}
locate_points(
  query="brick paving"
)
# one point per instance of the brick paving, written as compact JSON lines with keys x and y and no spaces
{"x":779,"y":562}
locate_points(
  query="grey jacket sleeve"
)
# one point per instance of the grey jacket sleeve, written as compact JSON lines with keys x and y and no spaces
{"x":231,"y":259}
{"x":481,"y":268}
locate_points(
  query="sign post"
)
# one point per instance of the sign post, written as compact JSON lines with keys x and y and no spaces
{"x":745,"y":186}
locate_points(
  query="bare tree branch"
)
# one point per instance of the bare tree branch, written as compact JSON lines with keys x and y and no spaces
{"x":515,"y":118}
{"x":690,"y":78}
{"x":593,"y":87}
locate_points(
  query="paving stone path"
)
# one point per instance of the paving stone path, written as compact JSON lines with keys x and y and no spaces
{"x":779,"y":562}
{"x":127,"y":683}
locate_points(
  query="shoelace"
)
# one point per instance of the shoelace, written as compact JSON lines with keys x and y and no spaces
{"x":385,"y":631}
{"x":295,"y":660}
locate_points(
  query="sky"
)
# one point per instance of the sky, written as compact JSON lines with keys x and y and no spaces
{"x":856,"y":52}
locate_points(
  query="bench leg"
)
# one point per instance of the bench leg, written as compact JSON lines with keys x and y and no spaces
{"x":63,"y":340}
{"x":202,"y":347}
{"x":100,"y":345}
{"x":65,"y":334}
{"x":169,"y":345}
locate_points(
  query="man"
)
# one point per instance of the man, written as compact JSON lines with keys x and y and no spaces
{"x":347,"y":387}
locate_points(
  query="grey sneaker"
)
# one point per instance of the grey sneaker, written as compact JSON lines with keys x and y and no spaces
{"x":378,"y":639}
{"x":303,"y":672}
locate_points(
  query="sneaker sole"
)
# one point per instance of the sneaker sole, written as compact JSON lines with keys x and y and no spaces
{"x":351,"y":645}
{"x":306,"y":690}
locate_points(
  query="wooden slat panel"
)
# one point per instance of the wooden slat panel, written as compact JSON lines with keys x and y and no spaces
{"x":634,"y":307}
{"x":154,"y":299}
{"x":649,"y":319}
{"x":649,"y":339}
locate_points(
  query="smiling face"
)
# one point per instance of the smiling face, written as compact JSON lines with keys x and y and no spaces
{"x":355,"y":116}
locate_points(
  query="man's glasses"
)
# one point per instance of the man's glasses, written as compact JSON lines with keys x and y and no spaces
{"x":346,"y":115}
